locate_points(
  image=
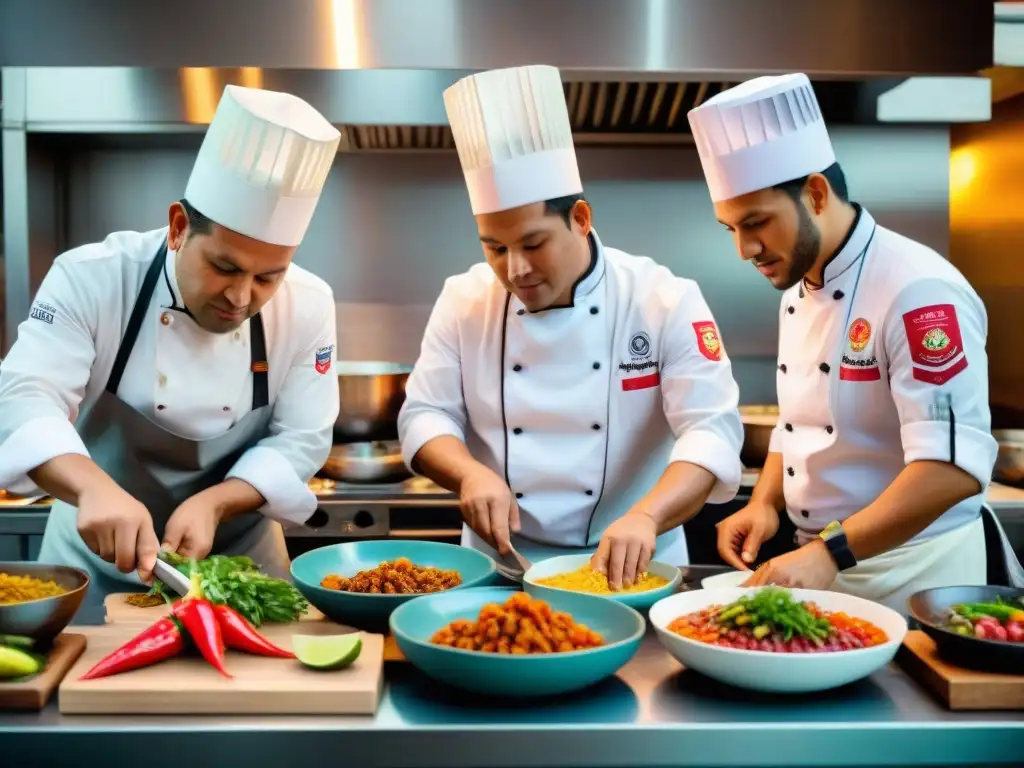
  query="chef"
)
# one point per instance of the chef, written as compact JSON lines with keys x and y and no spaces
{"x":883,"y":449}
{"x":174,"y":387}
{"x":576,"y":397}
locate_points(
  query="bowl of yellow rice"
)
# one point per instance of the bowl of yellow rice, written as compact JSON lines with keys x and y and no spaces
{"x":572,"y":573}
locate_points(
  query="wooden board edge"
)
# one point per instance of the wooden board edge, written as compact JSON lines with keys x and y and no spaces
{"x":30,"y":695}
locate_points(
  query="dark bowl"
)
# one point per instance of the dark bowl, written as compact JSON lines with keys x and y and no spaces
{"x":930,"y":608}
{"x":46,"y":618}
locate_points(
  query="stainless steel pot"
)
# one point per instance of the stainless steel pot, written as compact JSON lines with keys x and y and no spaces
{"x":758,"y":423}
{"x":371,"y":394}
{"x":1009,"y":467}
{"x":376,"y":462}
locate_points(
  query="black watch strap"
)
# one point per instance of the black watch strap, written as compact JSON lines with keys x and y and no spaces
{"x":838,"y":546}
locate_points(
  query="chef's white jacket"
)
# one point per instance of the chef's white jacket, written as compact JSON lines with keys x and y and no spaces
{"x":882,"y":366}
{"x":187,"y":380}
{"x":579,"y":409}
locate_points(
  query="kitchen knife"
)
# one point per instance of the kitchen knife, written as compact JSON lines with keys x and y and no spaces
{"x":172,"y":577}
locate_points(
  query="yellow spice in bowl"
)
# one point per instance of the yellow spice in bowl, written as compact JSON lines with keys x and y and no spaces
{"x":22,"y":589}
{"x":586,"y":579}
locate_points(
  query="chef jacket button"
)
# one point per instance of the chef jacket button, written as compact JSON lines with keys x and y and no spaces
{"x":801,"y":291}
{"x":805,"y":513}
{"x":589,"y":492}
{"x":595,"y":427}
{"x":519,"y":495}
{"x":594,"y":310}
{"x":160,"y":407}
{"x":829,"y":429}
{"x":789,"y":471}
{"x":789,"y":427}
{"x":838,"y":295}
{"x":237,"y":335}
{"x":227,"y":407}
{"x":517,"y":431}
{"x":517,"y":367}
{"x":791,"y":310}
{"x":597,"y":366}
{"x":520,"y":311}
{"x":824,"y":368}
{"x":782,"y":367}
{"x":166,"y":318}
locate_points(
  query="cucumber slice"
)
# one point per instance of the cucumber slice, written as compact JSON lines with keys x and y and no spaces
{"x":327,"y":652}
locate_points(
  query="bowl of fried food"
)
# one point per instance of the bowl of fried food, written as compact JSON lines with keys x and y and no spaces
{"x":359,"y":583}
{"x":500,"y":642}
{"x":38,"y":600}
{"x":572,"y":573}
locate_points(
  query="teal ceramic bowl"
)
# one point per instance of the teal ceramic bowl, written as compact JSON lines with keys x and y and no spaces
{"x":501,"y":675}
{"x":371,"y":611}
{"x":642,"y":601}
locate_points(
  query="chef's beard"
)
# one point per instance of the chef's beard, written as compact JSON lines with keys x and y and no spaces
{"x":805,"y":252}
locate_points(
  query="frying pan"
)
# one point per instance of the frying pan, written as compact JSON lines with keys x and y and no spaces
{"x":931,"y":607}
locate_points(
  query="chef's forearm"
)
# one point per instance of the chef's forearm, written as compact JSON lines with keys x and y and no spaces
{"x":768,"y":490}
{"x":922,"y":492}
{"x":445,"y":460}
{"x":678,"y":495}
{"x":232,"y":498}
{"x":67,"y":477}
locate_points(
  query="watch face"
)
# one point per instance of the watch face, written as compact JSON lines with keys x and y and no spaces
{"x":831,"y":530}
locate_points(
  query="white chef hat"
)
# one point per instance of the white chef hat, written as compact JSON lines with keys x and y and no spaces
{"x":763,"y":132}
{"x":512,"y":132}
{"x":263,"y":164}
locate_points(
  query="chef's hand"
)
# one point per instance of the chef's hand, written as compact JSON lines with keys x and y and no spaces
{"x":118,"y":528}
{"x":190,"y":530}
{"x":809,"y":567}
{"x":742,"y":533}
{"x":626,"y":548}
{"x":489,"y":508}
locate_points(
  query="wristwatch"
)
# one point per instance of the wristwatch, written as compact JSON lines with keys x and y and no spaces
{"x":835,"y":539}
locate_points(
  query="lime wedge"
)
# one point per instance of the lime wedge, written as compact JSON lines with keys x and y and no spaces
{"x":327,"y":651}
{"x":16,"y":663}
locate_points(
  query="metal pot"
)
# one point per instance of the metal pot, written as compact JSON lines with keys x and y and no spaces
{"x":371,"y":394}
{"x":376,"y":462}
{"x":758,"y":423}
{"x":1009,"y":467}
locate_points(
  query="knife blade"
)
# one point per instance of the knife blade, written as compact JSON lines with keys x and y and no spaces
{"x":172,"y":577}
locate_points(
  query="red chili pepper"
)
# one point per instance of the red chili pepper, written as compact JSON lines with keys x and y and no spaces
{"x":154,"y":644}
{"x":242,"y":636}
{"x":198,"y":617}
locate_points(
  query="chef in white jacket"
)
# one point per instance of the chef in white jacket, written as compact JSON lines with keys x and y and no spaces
{"x":883,"y":449}
{"x":174,"y":386}
{"x":576,"y":397}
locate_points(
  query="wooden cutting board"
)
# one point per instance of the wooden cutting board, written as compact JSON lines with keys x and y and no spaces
{"x":120,"y":612}
{"x":956,"y":687}
{"x":35,"y":692}
{"x":260,"y":685}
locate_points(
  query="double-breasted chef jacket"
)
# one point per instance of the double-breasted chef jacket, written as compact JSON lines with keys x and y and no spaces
{"x":189,"y":382}
{"x":580,"y":409}
{"x":883,"y":365}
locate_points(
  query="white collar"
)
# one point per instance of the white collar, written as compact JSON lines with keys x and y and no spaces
{"x":853,"y":248}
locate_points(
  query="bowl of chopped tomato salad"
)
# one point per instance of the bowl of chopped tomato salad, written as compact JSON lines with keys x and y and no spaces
{"x":778,"y":640}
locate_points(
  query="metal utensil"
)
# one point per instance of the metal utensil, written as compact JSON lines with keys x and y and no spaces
{"x":372,"y":394}
{"x":172,"y":577}
{"x":374,"y":462}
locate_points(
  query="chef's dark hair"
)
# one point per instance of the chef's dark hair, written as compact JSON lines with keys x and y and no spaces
{"x":833,"y":175}
{"x":197,"y":223}
{"x":562,"y":206}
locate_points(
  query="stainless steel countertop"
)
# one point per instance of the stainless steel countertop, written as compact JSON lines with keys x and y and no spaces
{"x":651,"y":714}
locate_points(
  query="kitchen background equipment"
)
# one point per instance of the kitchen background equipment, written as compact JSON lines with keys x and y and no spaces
{"x":43,"y":619}
{"x":758,"y":423}
{"x":377,"y":462}
{"x":930,"y":607}
{"x":371,"y":394}
{"x":260,"y":685}
{"x":956,"y":687}
{"x":1009,"y":468}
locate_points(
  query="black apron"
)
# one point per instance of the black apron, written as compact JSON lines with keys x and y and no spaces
{"x":162,"y":469}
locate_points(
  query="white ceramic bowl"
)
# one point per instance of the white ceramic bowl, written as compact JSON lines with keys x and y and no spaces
{"x":778,"y":672}
{"x":641,"y":601}
{"x":730,"y":579}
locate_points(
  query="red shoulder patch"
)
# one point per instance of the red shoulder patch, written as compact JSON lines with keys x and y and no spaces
{"x":322,"y":363}
{"x":708,"y":340}
{"x":935,"y":343}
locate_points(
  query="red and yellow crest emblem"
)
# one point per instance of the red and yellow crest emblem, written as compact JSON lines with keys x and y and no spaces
{"x":860,"y":334}
{"x":708,"y":341}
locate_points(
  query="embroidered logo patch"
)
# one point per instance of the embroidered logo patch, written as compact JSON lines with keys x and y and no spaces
{"x":935,"y":343}
{"x":640,"y":345}
{"x":43,"y":311}
{"x":860,"y":334}
{"x":708,"y":341}
{"x":323,"y":359}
